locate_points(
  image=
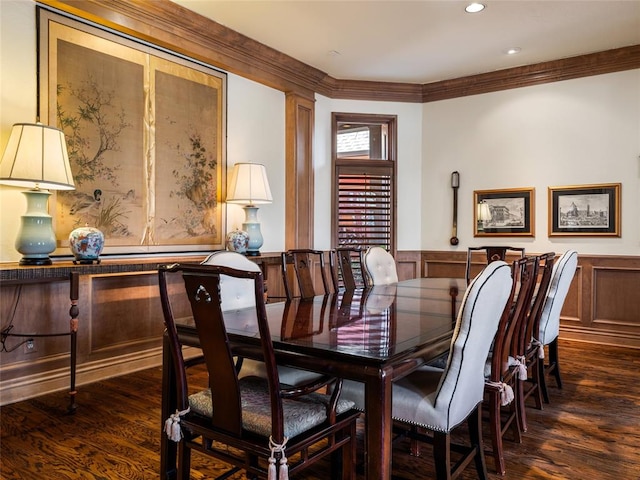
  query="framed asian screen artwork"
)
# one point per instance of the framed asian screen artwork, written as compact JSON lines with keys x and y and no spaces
{"x":504,"y":213}
{"x":145,"y":132}
{"x":589,"y":210}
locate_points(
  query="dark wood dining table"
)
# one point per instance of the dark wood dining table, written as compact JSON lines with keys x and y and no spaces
{"x":374,"y":336}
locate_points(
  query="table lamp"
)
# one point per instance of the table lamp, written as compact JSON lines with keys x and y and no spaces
{"x":249,"y":185}
{"x":36,"y":157}
{"x":483,"y":213}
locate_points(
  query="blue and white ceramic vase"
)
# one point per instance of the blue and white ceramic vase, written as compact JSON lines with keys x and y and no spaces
{"x":237,"y":241}
{"x":86,"y":244}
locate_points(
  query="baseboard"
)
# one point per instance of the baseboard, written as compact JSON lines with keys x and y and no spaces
{"x":24,"y":388}
{"x":602,"y":337}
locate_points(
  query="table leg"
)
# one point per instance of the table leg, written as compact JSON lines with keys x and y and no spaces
{"x":74,"y":288}
{"x":378,"y":426}
{"x":168,"y":449}
{"x":453,"y":292}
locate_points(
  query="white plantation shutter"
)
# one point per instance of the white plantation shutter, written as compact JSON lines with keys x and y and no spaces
{"x":365,"y":206}
{"x":364,"y":155}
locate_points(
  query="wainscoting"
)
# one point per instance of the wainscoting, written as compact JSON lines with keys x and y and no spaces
{"x":603,"y":303}
{"x":120,"y":322}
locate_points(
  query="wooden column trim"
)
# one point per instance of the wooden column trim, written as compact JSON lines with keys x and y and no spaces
{"x":299,"y":191}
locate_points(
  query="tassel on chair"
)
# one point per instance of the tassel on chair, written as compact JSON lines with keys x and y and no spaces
{"x":540,"y":346}
{"x":521,"y":363}
{"x":172,"y":425}
{"x":272,"y":467}
{"x":283,"y":471}
{"x":506,"y":395}
{"x":506,"y":392}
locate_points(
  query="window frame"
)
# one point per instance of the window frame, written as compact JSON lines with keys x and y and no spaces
{"x":373,"y":166}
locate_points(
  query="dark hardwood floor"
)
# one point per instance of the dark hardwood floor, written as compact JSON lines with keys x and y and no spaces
{"x":590,"y":430}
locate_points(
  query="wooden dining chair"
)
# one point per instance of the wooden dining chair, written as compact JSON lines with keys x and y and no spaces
{"x":502,"y":372}
{"x":491,"y":254}
{"x":305,"y":262}
{"x":236,"y":292}
{"x":236,"y":295}
{"x":347,"y":268}
{"x":440,"y":400}
{"x":532,"y":348}
{"x":380,"y":266}
{"x":253,"y":423}
{"x":563,"y":272}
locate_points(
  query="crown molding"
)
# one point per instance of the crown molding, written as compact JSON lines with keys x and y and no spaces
{"x":599,"y":63}
{"x":170,"y":26}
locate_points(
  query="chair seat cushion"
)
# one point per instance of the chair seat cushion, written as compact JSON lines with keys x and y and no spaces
{"x":408,"y":396}
{"x":300,"y":414}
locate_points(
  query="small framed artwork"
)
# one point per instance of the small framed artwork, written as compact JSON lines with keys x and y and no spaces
{"x":592,"y":210}
{"x":503,"y":213}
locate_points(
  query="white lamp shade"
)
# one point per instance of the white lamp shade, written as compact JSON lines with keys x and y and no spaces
{"x":484,"y":212}
{"x":36,"y":156}
{"x":248,"y":184}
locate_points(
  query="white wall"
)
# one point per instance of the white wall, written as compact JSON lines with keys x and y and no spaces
{"x":256,"y":134}
{"x":575,"y":132}
{"x":17,"y":103}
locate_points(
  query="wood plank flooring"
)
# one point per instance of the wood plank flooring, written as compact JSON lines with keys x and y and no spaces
{"x":589,"y":431}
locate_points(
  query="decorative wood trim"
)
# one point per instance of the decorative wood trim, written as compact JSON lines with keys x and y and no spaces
{"x":601,"y":337}
{"x":48,"y":370}
{"x":171,"y":26}
{"x":616,"y":60}
{"x":368,"y":90}
{"x":168,"y":25}
{"x":612,"y":291}
{"x":299,"y":190}
{"x":409,"y":264}
{"x":33,"y":385}
{"x":580,"y":318}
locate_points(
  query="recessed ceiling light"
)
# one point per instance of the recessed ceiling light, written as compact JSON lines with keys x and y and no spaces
{"x":512,"y":51}
{"x":474,"y":7}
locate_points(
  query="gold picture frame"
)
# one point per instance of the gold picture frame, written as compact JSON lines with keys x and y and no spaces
{"x":585,"y":210}
{"x":146,"y":136}
{"x":504,"y":213}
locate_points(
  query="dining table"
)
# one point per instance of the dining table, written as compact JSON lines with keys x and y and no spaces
{"x":375,"y":336}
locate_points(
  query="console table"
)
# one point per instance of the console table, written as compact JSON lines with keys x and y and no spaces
{"x":12,"y":274}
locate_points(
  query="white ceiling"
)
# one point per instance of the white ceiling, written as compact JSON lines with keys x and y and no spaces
{"x":426,"y":41}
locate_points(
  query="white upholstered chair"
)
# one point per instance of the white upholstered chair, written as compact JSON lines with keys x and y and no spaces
{"x":563,"y":271}
{"x":380,"y":266}
{"x":440,"y":400}
{"x":237,"y":293}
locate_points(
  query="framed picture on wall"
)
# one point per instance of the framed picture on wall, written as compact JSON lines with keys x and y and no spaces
{"x":145,"y":132}
{"x":592,"y":210}
{"x":503,"y":213}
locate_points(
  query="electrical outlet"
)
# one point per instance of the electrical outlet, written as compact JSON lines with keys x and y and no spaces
{"x":30,"y":346}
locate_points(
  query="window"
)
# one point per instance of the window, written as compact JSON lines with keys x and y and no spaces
{"x":364,"y":190}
